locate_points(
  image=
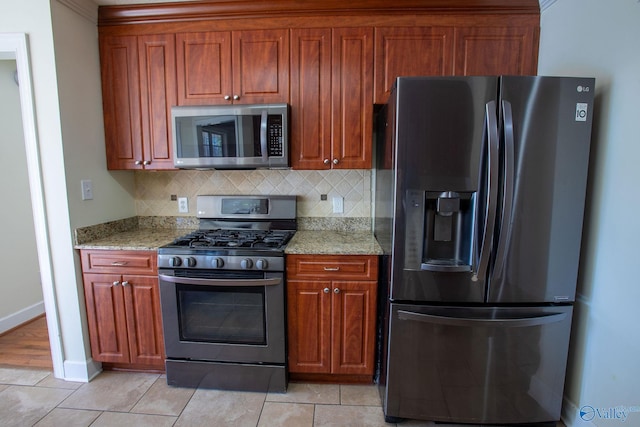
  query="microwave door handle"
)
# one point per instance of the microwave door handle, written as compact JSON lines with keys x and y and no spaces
{"x":491,"y":128}
{"x":263,"y":136}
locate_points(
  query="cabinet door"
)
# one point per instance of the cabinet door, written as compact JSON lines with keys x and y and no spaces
{"x":353,"y":328}
{"x":410,"y":51}
{"x":106,"y":317}
{"x":144,"y":321}
{"x":203,"y":68}
{"x":309,"y":326}
{"x":495,"y":51}
{"x":158,"y":95}
{"x":121,"y":101}
{"x":310,"y":98}
{"x":260,"y":61}
{"x":352,"y":97}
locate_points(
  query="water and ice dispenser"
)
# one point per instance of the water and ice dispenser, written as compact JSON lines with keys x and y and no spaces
{"x":439,"y":231}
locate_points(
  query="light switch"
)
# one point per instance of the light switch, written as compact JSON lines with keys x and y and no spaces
{"x":87,"y":189}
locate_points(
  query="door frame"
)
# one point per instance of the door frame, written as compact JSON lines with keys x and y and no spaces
{"x":15,"y":46}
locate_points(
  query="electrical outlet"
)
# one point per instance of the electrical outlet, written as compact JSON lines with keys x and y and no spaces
{"x":183,"y":205}
{"x":87,"y":189}
{"x":338,"y":204}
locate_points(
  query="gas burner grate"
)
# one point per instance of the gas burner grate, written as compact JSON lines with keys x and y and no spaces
{"x":226,"y":238}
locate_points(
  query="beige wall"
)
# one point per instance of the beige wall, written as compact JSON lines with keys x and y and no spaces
{"x":600,"y":39}
{"x":20,"y":289}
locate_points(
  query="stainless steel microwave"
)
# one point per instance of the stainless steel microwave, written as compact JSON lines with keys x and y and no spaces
{"x":231,"y":137}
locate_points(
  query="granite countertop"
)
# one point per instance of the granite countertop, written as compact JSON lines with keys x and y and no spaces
{"x":140,"y":239}
{"x":350,"y":237}
{"x":332,"y":242}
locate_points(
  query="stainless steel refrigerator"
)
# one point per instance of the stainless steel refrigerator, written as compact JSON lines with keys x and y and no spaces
{"x":480,"y":192}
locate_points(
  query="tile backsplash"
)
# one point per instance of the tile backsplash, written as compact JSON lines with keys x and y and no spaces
{"x":154,"y":189}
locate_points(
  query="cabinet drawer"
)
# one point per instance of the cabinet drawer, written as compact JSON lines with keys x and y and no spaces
{"x":360,"y":267}
{"x":120,"y":262}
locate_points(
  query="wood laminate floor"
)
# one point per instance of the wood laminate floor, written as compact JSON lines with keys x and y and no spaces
{"x":27,"y":345}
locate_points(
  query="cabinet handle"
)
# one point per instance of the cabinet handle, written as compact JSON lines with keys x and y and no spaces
{"x":119,"y":263}
{"x":331,"y":268}
{"x":146,"y":162}
{"x":227,"y":97}
{"x":326,"y":161}
{"x":236,"y":97}
{"x":116,"y":283}
{"x":336,"y":291}
{"x":335,"y":161}
{"x":138,"y":162}
{"x":125,"y":283}
{"x":326,"y":290}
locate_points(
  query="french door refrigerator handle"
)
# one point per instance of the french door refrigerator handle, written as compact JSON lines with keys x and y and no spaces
{"x":263,"y":135}
{"x":491,"y":127}
{"x":508,"y":187}
{"x":538,"y":320}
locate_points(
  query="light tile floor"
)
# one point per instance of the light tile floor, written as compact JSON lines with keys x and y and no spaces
{"x":31,"y":397}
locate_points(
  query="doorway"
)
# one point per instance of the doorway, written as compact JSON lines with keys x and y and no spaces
{"x":14,"y":46}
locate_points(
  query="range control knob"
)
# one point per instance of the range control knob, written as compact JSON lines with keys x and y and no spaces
{"x":191,"y":261}
{"x":175,"y":261}
{"x":217,"y":263}
{"x":262,"y":264}
{"x":246,"y":264}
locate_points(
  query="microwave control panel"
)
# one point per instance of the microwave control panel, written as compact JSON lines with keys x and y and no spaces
{"x":275,"y":142}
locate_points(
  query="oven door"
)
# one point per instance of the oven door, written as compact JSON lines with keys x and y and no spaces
{"x":223,"y":316}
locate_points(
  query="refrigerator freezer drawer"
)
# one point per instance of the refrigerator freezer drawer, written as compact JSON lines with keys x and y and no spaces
{"x":487,"y":365}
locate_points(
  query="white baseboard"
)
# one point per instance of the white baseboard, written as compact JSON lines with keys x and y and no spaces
{"x":22,"y":316}
{"x":81,"y":371}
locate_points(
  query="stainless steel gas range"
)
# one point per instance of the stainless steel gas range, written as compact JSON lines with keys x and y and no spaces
{"x":223,"y":297}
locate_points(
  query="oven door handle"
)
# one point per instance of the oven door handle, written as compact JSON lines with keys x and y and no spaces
{"x":221,"y":282}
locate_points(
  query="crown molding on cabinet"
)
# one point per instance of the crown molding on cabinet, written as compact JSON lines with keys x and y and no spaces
{"x":226,"y":9}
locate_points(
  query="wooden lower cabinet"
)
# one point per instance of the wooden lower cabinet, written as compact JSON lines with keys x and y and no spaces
{"x":123,"y":312}
{"x":331,"y":310}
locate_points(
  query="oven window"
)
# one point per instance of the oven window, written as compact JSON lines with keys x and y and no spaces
{"x":222,"y":314}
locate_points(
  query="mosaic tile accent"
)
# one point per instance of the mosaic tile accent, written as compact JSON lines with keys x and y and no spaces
{"x":154,"y":189}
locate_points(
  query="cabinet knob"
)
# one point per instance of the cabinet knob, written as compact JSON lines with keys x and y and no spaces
{"x":335,"y":161}
{"x":125,"y":283}
{"x":236,"y":97}
{"x":336,"y":291}
{"x":227,"y":97}
{"x":146,"y":162}
{"x":326,"y":161}
{"x":116,"y":283}
{"x":138,"y":162}
{"x":326,"y":290}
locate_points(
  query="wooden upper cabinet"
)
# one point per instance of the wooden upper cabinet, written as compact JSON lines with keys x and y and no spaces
{"x":138,"y":90}
{"x":261,"y":66}
{"x":483,"y":51}
{"x":410,"y":51}
{"x":241,"y":67}
{"x":352,"y":98}
{"x":331,"y":98}
{"x":158,"y":89}
{"x":121,"y":101}
{"x":203,"y":67}
{"x":310,"y":98}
